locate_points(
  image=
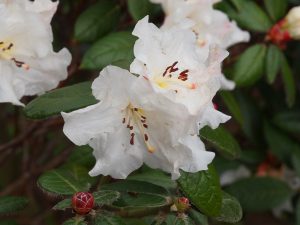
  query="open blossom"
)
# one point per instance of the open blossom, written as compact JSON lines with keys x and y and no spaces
{"x":176,"y":69}
{"x":211,"y":26}
{"x":126,"y":130}
{"x":28,"y":64}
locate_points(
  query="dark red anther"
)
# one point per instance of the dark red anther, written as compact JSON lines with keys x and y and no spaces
{"x":82,"y":202}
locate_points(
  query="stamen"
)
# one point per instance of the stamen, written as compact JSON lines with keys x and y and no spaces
{"x":132,"y":139}
{"x":171,"y":69}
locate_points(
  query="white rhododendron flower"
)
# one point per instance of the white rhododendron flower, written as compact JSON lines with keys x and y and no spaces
{"x":176,"y":69}
{"x":28,"y":64}
{"x":126,"y":129}
{"x":292,"y":22}
{"x":211,"y":26}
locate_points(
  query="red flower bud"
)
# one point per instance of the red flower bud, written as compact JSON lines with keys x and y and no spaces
{"x":82,"y":202}
{"x":184,"y":201}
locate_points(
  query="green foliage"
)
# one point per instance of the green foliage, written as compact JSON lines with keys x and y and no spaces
{"x":115,"y":49}
{"x":12,"y":204}
{"x":198,"y":217}
{"x":260,"y":194}
{"x":273,"y":62}
{"x":232,"y":105}
{"x":203,"y":189}
{"x":276,"y":8}
{"x":249,"y":68}
{"x":222,"y":140}
{"x":289,"y":83}
{"x":75,"y":221}
{"x":105,"y":197}
{"x":61,"y":100}
{"x":108,"y":220}
{"x":97,"y":20}
{"x":138,"y":9}
{"x":64,"y":204}
{"x":66,"y":181}
{"x":231,"y":211}
{"x":288,"y":121}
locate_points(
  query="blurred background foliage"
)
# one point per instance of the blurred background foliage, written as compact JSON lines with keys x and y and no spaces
{"x":258,"y":150}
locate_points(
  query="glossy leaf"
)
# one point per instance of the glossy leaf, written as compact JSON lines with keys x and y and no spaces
{"x":231,"y":211}
{"x":108,"y":220}
{"x":273,"y":62}
{"x":276,"y":8}
{"x":61,"y":100}
{"x":12,"y":204}
{"x":232,"y":105}
{"x":222,"y":140}
{"x":105,"y":197}
{"x":289,"y":82}
{"x":64,"y":204}
{"x":288,"y":121}
{"x":97,"y":20}
{"x":115,"y":49}
{"x":260,"y":194}
{"x":249,"y":67}
{"x":138,"y":9}
{"x":203,"y":189}
{"x":75,"y":221}
{"x":66,"y":182}
{"x":198,"y":217}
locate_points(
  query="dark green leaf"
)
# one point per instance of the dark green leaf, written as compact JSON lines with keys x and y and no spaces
{"x":248,"y":15}
{"x":115,"y":49}
{"x":64,"y":204}
{"x":276,"y":8}
{"x":177,"y":220}
{"x":108,"y":220}
{"x":232,"y":105}
{"x":8,"y":222}
{"x":289,"y":82}
{"x":273,"y":62}
{"x":75,"y":221}
{"x":135,"y":186}
{"x":249,"y":67}
{"x":199,"y":218}
{"x":105,"y":197}
{"x":12,"y":204}
{"x":280,"y":143}
{"x":81,"y":156}
{"x":61,"y":100}
{"x":138,"y":9}
{"x":296,"y":161}
{"x":288,"y":121}
{"x":203,"y":189}
{"x":66,"y":181}
{"x":231,"y":211}
{"x":222,"y":140}
{"x":97,"y":20}
{"x":297,"y":210}
{"x":156,"y":177}
{"x":260,"y":194}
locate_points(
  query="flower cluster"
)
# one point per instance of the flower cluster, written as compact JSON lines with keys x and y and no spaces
{"x":210,"y":26}
{"x":153,"y":113}
{"x":28,"y":64}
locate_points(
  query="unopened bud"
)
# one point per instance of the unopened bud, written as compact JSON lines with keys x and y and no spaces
{"x":181,"y":205}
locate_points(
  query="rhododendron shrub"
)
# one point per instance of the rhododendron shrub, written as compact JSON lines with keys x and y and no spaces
{"x":149,"y":112}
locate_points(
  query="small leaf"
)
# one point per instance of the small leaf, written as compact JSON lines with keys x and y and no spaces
{"x":115,"y":49}
{"x":97,"y":20}
{"x":276,"y":8}
{"x":108,"y":220}
{"x":65,"y":182}
{"x":203,"y":189}
{"x":61,"y":100}
{"x":75,"y":221}
{"x":138,"y":9}
{"x":273,"y":62}
{"x":64,"y":204}
{"x":249,"y":67}
{"x":222,"y":140}
{"x":288,"y":121}
{"x":232,"y":105}
{"x":260,"y":194}
{"x":289,"y":82}
{"x":198,"y":217}
{"x":105,"y":197}
{"x":177,"y":220}
{"x":231,"y":211}
{"x":12,"y":204}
